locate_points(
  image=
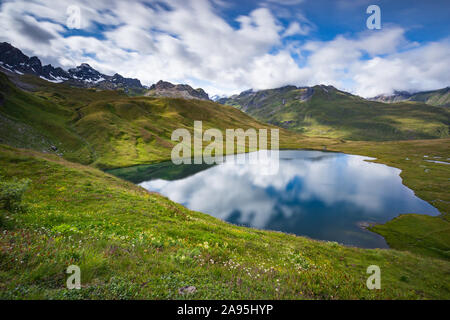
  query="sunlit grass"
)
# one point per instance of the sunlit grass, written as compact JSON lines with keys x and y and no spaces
{"x":133,"y":244}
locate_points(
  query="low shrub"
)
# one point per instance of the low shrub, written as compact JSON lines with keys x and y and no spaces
{"x":11,"y":193}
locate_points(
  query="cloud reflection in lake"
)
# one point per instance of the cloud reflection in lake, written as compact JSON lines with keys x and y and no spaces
{"x":322,"y":195}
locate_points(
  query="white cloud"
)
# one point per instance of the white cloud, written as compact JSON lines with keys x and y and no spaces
{"x":423,"y":68}
{"x":295,"y":28}
{"x":190,"y":41}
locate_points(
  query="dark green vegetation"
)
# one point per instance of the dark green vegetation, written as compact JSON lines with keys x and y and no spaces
{"x":328,"y":112}
{"x":133,"y":244}
{"x":161,"y":170}
{"x":11,"y":193}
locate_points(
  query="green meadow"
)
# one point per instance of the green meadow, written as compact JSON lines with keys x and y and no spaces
{"x":133,"y":244}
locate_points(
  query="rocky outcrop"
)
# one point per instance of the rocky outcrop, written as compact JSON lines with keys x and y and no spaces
{"x":167,"y":89}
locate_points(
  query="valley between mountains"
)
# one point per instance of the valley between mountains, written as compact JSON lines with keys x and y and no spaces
{"x":61,"y":129}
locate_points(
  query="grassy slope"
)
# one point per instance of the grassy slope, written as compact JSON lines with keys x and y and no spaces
{"x":138,"y":130}
{"x":333,"y":113}
{"x":30,"y":121}
{"x":108,"y":129}
{"x":133,"y":244}
{"x":436,"y":97}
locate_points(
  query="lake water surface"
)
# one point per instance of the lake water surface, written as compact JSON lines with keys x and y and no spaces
{"x":322,"y":195}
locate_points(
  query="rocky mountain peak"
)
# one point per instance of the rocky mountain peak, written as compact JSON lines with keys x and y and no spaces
{"x":85,"y":72}
{"x":34,"y":61}
{"x":162,"y":85}
{"x":14,"y":61}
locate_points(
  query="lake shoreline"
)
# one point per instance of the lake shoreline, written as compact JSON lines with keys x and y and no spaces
{"x":148,"y":173}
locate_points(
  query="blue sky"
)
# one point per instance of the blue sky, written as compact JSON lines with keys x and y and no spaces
{"x":424,"y":20}
{"x":230,"y":46}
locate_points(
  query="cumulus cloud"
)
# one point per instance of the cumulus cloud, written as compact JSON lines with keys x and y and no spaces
{"x":192,"y":42}
{"x":423,"y":68}
{"x":380,"y":62}
{"x":295,"y":28}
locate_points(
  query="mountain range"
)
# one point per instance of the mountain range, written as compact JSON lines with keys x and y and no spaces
{"x":320,"y":110}
{"x":439,"y":97}
{"x":326,"y":111}
{"x":14,"y":61}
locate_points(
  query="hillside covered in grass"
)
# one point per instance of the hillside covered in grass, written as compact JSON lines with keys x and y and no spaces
{"x":108,"y":128}
{"x":131,"y":244}
{"x":328,"y":112}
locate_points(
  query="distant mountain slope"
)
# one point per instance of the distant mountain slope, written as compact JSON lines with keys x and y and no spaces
{"x":167,"y":89}
{"x":326,"y":111}
{"x":14,"y":61}
{"x":439,"y":97}
{"x":397,"y":96}
{"x":217,"y":97}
